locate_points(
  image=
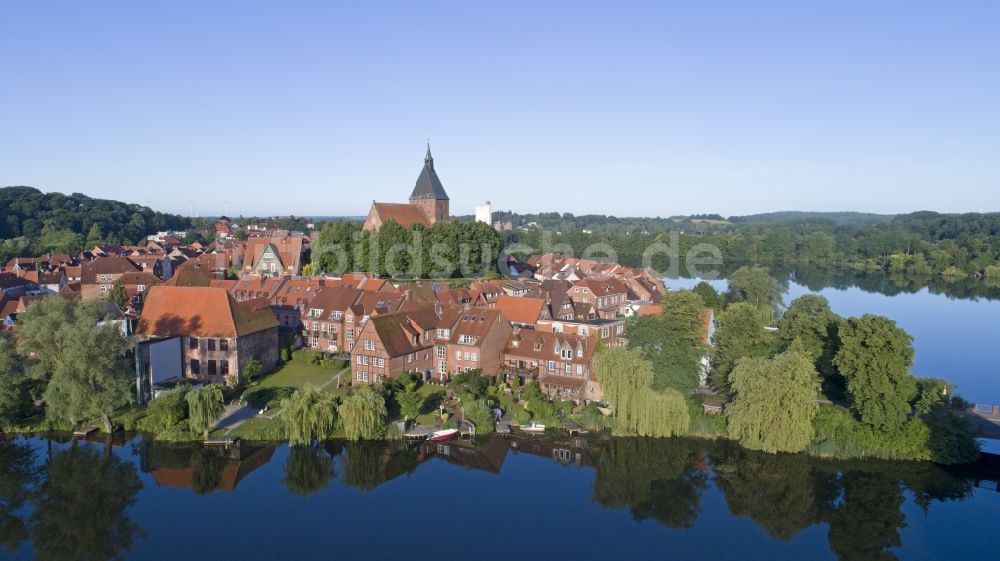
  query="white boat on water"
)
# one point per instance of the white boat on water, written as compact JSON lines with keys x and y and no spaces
{"x":533,"y":427}
{"x":442,"y":435}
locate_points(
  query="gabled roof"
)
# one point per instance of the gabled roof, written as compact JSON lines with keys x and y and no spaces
{"x":200,"y":312}
{"x":522,"y":310}
{"x":428,"y":185}
{"x":106,"y":266}
{"x":398,"y":330}
{"x":404,"y":214}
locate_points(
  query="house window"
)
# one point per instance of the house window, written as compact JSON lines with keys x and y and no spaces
{"x":193,"y":343}
{"x":552,"y":366}
{"x":315,"y":342}
{"x":569,"y":368}
{"x":605,"y":332}
{"x":369,"y":345}
{"x":210,"y":344}
{"x":338,"y":315}
{"x":104,"y":288}
{"x":619,"y":329}
{"x":315,"y":326}
{"x":442,"y":367}
{"x":443,"y":333}
{"x":579,"y":370}
{"x":349,"y":319}
{"x":212,"y":369}
{"x":439,"y":352}
{"x":378,"y":363}
{"x":458,"y":355}
{"x":468,"y":356}
{"x":141,"y":288}
{"x":475,"y":356}
{"x":361,"y":376}
{"x":195,"y":366}
{"x":224,"y":345}
{"x":224,"y":367}
{"x":378,"y":378}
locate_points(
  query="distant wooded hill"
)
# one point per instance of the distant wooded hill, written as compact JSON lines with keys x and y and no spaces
{"x":32,"y":222}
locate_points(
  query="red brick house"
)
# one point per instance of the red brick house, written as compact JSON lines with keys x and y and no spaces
{"x":559,"y":362}
{"x":476,"y":341}
{"x":389,"y":345}
{"x":98,"y":277}
{"x":609,"y":297}
{"x":218,"y":334}
{"x":323,"y":325}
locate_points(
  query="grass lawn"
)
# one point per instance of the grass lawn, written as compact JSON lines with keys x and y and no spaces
{"x":428,"y":411}
{"x":284,"y":380}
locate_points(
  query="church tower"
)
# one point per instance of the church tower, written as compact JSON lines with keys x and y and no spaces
{"x":428,"y":194}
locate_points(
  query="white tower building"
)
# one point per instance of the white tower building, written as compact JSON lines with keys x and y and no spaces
{"x":484,"y":213}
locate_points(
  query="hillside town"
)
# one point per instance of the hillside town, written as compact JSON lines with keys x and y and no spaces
{"x":200,"y":312}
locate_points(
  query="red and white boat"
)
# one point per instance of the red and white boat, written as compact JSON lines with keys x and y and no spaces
{"x":442,"y":435}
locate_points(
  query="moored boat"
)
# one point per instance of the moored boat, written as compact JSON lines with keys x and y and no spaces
{"x":442,"y":435}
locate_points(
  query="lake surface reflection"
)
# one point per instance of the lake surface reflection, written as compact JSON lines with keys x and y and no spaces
{"x":494,"y":498}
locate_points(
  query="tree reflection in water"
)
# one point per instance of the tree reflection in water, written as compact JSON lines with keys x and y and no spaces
{"x":19,"y":474}
{"x":79,"y":500}
{"x":308,"y":469}
{"x":80,"y":509}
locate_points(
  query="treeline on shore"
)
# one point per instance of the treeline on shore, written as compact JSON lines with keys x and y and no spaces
{"x":919,"y":244}
{"x":795,"y":379}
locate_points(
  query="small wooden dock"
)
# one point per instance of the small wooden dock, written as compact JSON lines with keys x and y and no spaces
{"x":224,"y":441}
{"x":84,"y":431}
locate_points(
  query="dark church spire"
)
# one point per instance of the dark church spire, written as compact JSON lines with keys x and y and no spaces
{"x":428,"y":185}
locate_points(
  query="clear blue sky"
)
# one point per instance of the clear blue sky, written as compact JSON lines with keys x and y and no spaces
{"x":628,"y":108}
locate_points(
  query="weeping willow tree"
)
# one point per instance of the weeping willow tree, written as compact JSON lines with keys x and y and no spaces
{"x":308,"y":415}
{"x":774,"y":402}
{"x":363,"y":414}
{"x":204,"y":407}
{"x":308,"y":470}
{"x":661,"y":414}
{"x":624,"y":377}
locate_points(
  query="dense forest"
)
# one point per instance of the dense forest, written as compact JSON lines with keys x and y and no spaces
{"x":918,"y":244}
{"x":34,"y":222}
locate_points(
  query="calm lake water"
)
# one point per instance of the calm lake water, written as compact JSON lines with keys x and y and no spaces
{"x":955,"y":337}
{"x":496,"y":498}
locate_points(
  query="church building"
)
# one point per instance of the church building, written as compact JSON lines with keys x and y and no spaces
{"x":428,"y":202}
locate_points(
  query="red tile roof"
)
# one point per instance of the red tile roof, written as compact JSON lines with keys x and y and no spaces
{"x":200,"y":312}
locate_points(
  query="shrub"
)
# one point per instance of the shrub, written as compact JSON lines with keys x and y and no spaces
{"x":285,"y":355}
{"x":480,"y":416}
{"x":299,"y":356}
{"x":332,"y":363}
{"x":522,"y":416}
{"x":166,"y":411}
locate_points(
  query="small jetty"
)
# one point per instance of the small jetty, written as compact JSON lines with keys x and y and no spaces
{"x":85,"y":431}
{"x":224,"y":441}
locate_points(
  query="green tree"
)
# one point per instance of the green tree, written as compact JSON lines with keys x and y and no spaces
{"x":363,"y":414}
{"x":739,"y":333}
{"x":14,"y":398}
{"x":624,"y":377}
{"x":204,"y":407}
{"x":810,"y":320}
{"x":673,"y":340}
{"x":662,"y":414}
{"x":480,"y":416}
{"x":409,"y":402}
{"x":119,"y":296}
{"x":83,"y":358}
{"x":94,"y":236}
{"x":709,"y":296}
{"x":774,"y":403}
{"x":755,"y":286}
{"x":308,"y":415}
{"x":251,"y":368}
{"x":875,"y":358}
